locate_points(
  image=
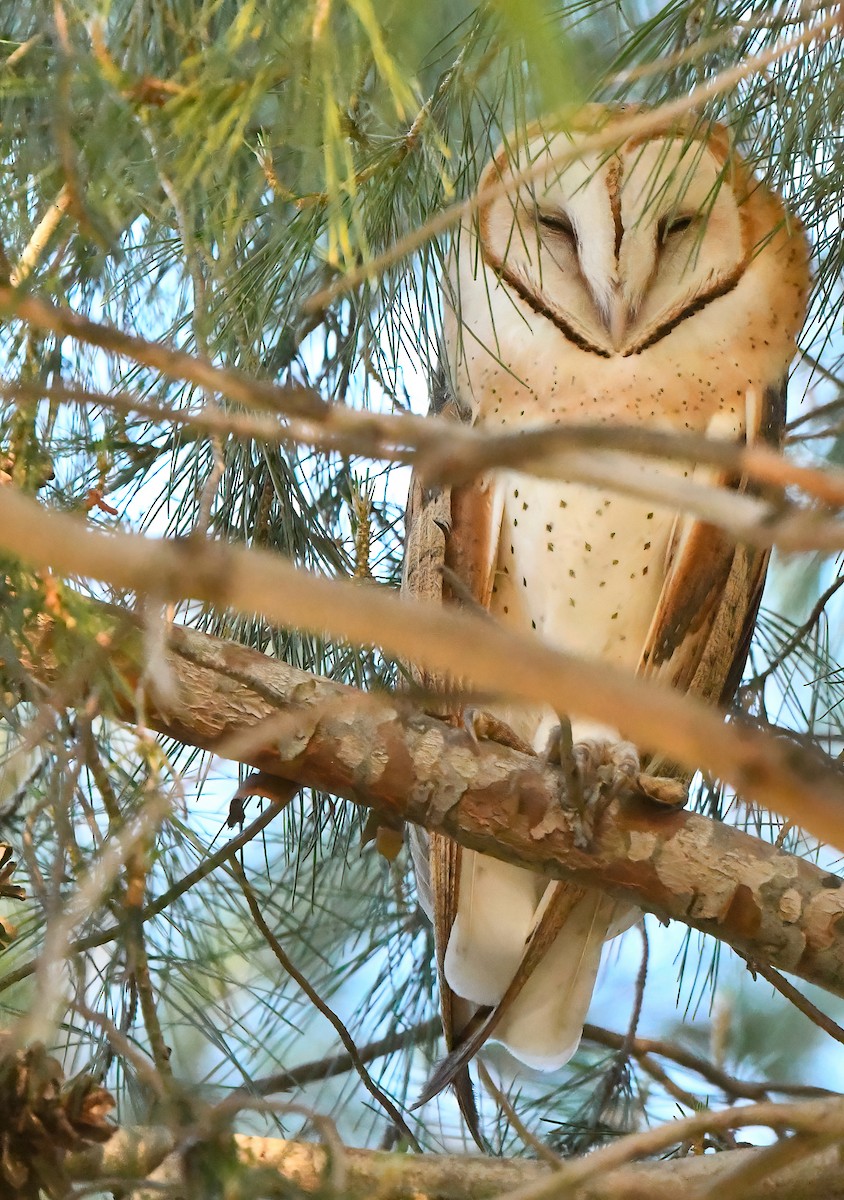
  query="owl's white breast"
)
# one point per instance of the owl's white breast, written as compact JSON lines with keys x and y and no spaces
{"x":582,"y":569}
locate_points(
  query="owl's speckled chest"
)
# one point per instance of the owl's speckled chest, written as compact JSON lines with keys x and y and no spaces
{"x":584,"y":568}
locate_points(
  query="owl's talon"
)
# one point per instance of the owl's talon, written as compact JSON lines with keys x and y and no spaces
{"x":664,"y":791}
{"x":560,"y":750}
{"x":483,"y":726}
{"x":596,"y":770}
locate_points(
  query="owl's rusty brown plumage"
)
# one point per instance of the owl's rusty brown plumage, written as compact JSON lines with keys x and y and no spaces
{"x":658,"y":285}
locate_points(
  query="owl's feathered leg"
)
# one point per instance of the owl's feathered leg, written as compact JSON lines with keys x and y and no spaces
{"x":596,"y":766}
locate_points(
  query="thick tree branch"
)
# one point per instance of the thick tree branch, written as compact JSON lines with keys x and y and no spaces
{"x":777,"y":774}
{"x":382,"y":752}
{"x":450,"y":452}
{"x":133,"y":1153}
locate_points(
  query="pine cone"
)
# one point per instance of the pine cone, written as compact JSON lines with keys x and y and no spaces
{"x":7,"y":888}
{"x":42,"y":1119}
{"x":8,"y":891}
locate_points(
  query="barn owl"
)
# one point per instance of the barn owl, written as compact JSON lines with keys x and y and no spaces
{"x":657,"y":284}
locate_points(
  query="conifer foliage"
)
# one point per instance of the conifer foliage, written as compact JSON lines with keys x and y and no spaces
{"x":222,"y":230}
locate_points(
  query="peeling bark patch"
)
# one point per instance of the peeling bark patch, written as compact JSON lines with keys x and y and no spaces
{"x":635,"y":882}
{"x":690,"y":848}
{"x":743,"y":914}
{"x":353,"y":748}
{"x":296,"y":735}
{"x":554,"y":821}
{"x":641,"y":846}
{"x":648,"y":817}
{"x":390,"y":752}
{"x":429,"y":750}
{"x":823,"y":917}
{"x":533,"y":803}
{"x":496,"y":805}
{"x":454,"y":774}
{"x":791,"y":906}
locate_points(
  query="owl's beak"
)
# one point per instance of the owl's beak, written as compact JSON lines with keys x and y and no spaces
{"x":617,"y":319}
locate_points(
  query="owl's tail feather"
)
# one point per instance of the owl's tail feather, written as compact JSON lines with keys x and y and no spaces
{"x":543,"y":1025}
{"x":562,"y":903}
{"x":451,"y":1068}
{"x":465,"y":1094}
{"x":454,"y":1070}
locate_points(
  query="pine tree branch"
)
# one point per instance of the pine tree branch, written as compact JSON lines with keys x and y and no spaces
{"x":133,"y":1153}
{"x":824,"y":1022}
{"x":643,"y":1049}
{"x":340,"y":1064}
{"x":209,"y":864}
{"x":771,"y":771}
{"x":799,"y":635}
{"x":385,"y":754}
{"x":40,"y":239}
{"x":638,"y":124}
{"x":445,"y":451}
{"x":382,"y":752}
{"x":818,"y":1124}
{"x":175,"y":364}
{"x":321,"y":1006}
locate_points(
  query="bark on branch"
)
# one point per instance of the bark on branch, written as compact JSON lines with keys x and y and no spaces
{"x":776,"y":773}
{"x":382,"y":752}
{"x":133,"y":1153}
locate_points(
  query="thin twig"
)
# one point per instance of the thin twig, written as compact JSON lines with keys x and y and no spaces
{"x":40,"y":238}
{"x":542,"y":1151}
{"x":830,"y":376}
{"x":138,"y":961}
{"x":22,"y":50}
{"x":146,"y":1070}
{"x":799,"y":634}
{"x":613,"y":1075}
{"x":801,"y":1002}
{"x":345,"y":1037}
{"x":741,"y":1089}
{"x":340,"y":1064}
{"x":660,"y":1076}
{"x":90,"y":888}
{"x":103,"y":936}
{"x":176,"y":364}
{"x":641,"y":980}
{"x":815,"y":414}
{"x":569,"y":452}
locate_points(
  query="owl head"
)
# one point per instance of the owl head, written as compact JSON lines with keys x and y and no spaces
{"x":620,"y":245}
